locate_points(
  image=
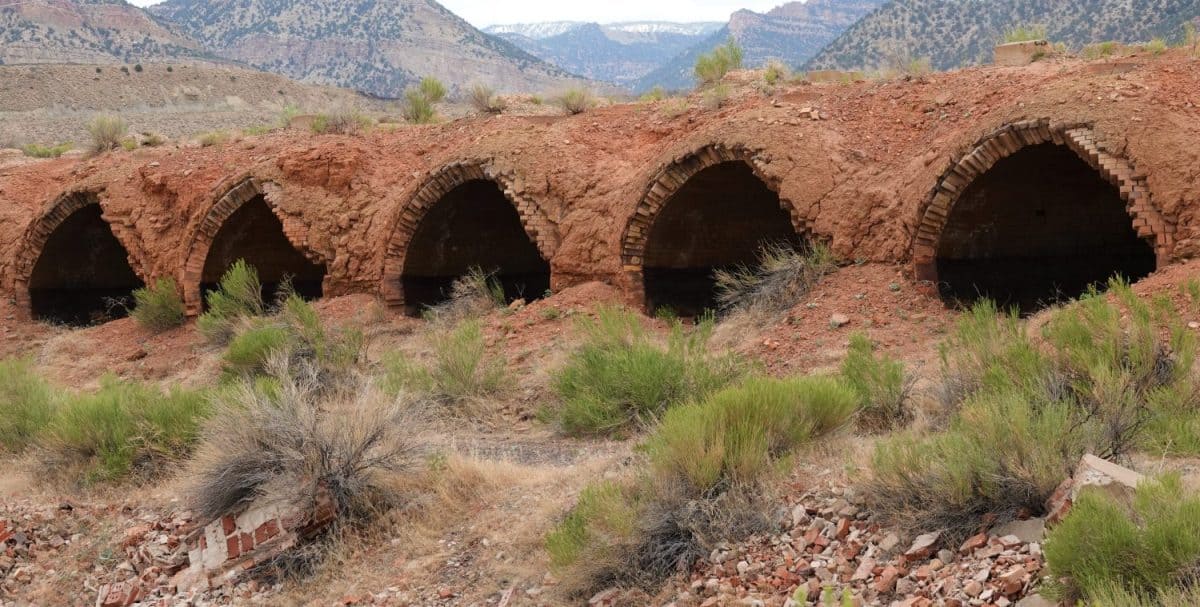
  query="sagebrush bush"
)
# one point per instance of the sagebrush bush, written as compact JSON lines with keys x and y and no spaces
{"x":159,"y":307}
{"x":485,"y":100}
{"x":716,"y":97}
{"x":213,"y":138}
{"x":295,"y":440}
{"x":1102,"y":549}
{"x":122,"y":429}
{"x":239,"y":296}
{"x":1107,"y":371}
{"x":710,"y":473}
{"x":471,"y":295}
{"x":622,"y":376}
{"x":341,"y":121}
{"x":576,"y":100}
{"x":782,"y":276}
{"x":881,"y":385}
{"x":107,"y":133}
{"x":775,"y":73}
{"x":712,"y":67}
{"x":27,"y":402}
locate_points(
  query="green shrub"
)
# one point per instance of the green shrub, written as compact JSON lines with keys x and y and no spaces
{"x":1102,"y":547}
{"x":341,"y":121}
{"x":1156,"y":46}
{"x":107,"y":133}
{"x":212,"y":138}
{"x":1190,"y":39}
{"x":293,"y":335}
{"x":711,"y":67}
{"x":576,"y":100}
{"x":287,"y":114}
{"x":418,"y":109}
{"x":152,"y":140}
{"x":461,"y":367}
{"x":34,"y":150}
{"x":600,"y":522}
{"x":711,"y":466}
{"x":432,"y":89}
{"x":1024,"y":33}
{"x":122,"y":429}
{"x":1101,"y":49}
{"x":657,"y":93}
{"x":880,"y":384}
{"x":252,"y":348}
{"x":735,"y":436}
{"x":27,"y":403}
{"x":775,"y":73}
{"x":621,"y":376}
{"x":1108,"y":371}
{"x":158,"y":307}
{"x":238,"y":296}
{"x":485,"y":100}
{"x":780,"y":279}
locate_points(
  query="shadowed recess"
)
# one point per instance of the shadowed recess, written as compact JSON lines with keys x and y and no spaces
{"x":719,"y":219}
{"x":255,"y":234}
{"x":83,"y":274}
{"x":1040,"y":227}
{"x":474,"y":225}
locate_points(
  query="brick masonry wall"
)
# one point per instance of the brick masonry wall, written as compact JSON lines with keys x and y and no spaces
{"x":1080,"y":138}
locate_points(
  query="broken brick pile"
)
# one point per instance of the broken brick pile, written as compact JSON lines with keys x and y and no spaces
{"x":832,"y":543}
{"x":179,"y":561}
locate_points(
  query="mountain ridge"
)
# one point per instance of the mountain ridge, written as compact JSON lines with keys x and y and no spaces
{"x":957,"y":33}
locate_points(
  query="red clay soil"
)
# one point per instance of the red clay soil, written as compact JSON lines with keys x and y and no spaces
{"x":859,"y":176}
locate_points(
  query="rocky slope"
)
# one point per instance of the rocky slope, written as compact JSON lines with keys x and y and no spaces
{"x":793,"y":33}
{"x":954,"y":33}
{"x":376,"y":46}
{"x":88,"y":31}
{"x":50,"y":103}
{"x":619,"y":53}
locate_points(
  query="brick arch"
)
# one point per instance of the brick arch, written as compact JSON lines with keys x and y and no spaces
{"x":245,"y":190}
{"x":1080,"y":138}
{"x":437,"y":185}
{"x":38,"y":233}
{"x":670,"y":178}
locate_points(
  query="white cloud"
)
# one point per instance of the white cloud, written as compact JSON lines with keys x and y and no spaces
{"x":482,"y":13}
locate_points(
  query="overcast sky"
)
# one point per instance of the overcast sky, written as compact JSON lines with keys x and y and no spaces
{"x":483,"y":13}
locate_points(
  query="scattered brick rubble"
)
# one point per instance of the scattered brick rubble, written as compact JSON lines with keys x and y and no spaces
{"x":829,"y":542}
